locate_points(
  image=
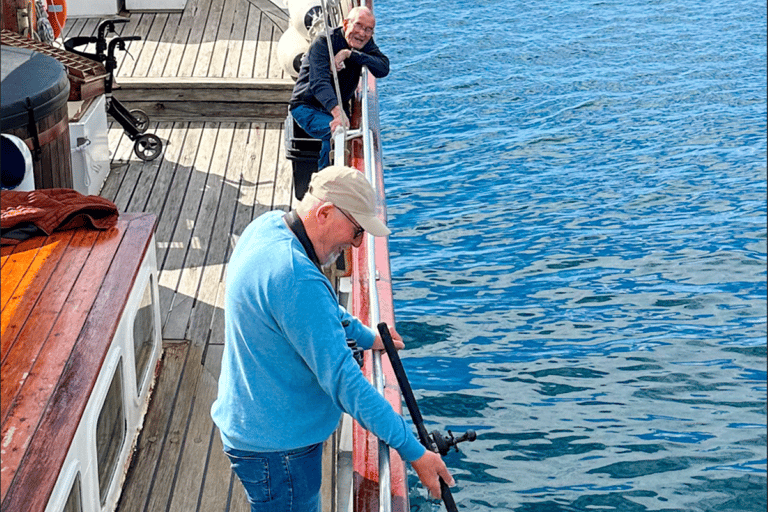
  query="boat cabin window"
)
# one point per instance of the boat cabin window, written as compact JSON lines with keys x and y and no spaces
{"x":74,"y":500}
{"x":110,"y":432}
{"x":144,"y":333}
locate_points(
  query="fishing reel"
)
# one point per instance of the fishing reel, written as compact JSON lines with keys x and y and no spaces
{"x":444,"y":444}
{"x":357,"y":352}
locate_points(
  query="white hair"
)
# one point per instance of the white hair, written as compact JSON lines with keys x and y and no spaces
{"x":307,"y":203}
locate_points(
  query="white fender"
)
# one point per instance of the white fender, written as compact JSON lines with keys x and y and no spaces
{"x":304,"y":13}
{"x":290,"y":49}
{"x":18,"y":171}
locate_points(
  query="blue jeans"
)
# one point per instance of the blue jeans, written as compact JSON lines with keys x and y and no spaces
{"x":317,"y":124}
{"x":280,"y":481}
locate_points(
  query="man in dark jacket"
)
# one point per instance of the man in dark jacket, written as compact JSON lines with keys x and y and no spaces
{"x":314,"y":104}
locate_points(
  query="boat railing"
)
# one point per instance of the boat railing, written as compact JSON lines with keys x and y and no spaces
{"x":385,"y":494}
{"x":341,"y":137}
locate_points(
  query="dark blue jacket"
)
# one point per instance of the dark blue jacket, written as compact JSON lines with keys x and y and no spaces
{"x":314,"y":85}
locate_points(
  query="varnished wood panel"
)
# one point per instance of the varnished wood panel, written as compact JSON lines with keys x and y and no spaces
{"x":43,"y":420}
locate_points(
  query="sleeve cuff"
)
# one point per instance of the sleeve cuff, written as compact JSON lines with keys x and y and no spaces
{"x":367,"y":338}
{"x":412,"y":450}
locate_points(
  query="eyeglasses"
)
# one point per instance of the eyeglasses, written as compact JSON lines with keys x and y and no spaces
{"x":359,"y":26}
{"x":359,"y":230}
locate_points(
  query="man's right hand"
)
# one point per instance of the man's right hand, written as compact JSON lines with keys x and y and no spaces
{"x":340,"y":57}
{"x":339,"y":119}
{"x":430,"y":467}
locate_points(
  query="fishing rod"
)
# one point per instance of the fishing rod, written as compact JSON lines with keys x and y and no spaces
{"x":433,"y":441}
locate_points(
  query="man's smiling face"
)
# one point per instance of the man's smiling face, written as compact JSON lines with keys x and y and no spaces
{"x":359,"y":30}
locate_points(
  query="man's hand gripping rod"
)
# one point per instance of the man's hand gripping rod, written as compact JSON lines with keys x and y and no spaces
{"x":435,"y":442}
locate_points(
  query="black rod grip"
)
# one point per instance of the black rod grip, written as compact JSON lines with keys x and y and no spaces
{"x":413,"y":407}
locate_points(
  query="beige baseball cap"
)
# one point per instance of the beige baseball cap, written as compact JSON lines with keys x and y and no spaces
{"x":348,"y":189}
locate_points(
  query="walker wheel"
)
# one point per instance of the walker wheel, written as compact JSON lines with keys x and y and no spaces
{"x":148,"y":147}
{"x":140,"y":120}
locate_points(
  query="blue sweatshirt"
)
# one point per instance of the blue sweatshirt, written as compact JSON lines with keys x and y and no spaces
{"x":287,"y":373}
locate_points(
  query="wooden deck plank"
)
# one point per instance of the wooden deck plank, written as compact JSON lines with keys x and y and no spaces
{"x":148,"y":173}
{"x":72,"y":28}
{"x":139,"y":25}
{"x":127,"y":185}
{"x":265,"y":186}
{"x":197,"y":442}
{"x":250,"y":43}
{"x":149,"y":48}
{"x":165,"y":45}
{"x":272,"y":11}
{"x":275,"y":69}
{"x":205,"y":52}
{"x":221,"y":41}
{"x":31,"y":285}
{"x":264,"y":47}
{"x":212,"y":271}
{"x":234,"y":45}
{"x":135,"y":49}
{"x":119,"y":164}
{"x":117,"y":138}
{"x":244,"y":213}
{"x":89,"y":28}
{"x":195,"y":37}
{"x":178,"y":308}
{"x":171,"y":212}
{"x":215,"y":492}
{"x":284,"y":198}
{"x":165,"y":476}
{"x":151,"y":443}
{"x":215,"y":347}
{"x":19,"y":258}
{"x":165,"y":173}
{"x":136,"y":25}
{"x":180,"y":38}
{"x":239,"y":501}
{"x":136,"y":168}
{"x":272,"y":146}
{"x":86,"y":28}
{"x":53,"y":297}
{"x":249,"y":180}
{"x":201,"y":245}
{"x":207,"y":98}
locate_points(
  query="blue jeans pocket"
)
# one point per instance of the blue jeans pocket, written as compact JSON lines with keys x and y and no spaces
{"x":253,"y":472}
{"x":305,"y":468}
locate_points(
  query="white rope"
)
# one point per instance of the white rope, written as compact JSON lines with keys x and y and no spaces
{"x":331,"y":56}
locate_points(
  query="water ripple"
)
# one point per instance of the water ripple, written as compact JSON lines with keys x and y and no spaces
{"x":578,"y":200}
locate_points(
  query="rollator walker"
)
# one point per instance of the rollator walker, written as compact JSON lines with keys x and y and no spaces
{"x":147,"y":146}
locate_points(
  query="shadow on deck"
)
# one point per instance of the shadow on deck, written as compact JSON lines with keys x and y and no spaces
{"x":212,"y":179}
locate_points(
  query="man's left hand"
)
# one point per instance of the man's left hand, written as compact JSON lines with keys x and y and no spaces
{"x":396,"y":338}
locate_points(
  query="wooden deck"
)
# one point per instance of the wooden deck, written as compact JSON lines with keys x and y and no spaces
{"x":213,"y":178}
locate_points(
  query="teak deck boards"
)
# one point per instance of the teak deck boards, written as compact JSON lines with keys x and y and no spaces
{"x":57,"y":324}
{"x":212,"y":179}
{"x":229,"y":46}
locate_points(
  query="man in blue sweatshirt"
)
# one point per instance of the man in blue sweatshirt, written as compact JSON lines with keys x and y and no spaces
{"x":314,"y":104}
{"x":287,"y":373}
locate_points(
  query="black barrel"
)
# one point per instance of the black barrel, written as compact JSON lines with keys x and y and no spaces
{"x":34,"y":92}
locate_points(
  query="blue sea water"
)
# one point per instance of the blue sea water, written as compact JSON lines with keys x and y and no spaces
{"x":577,"y":192}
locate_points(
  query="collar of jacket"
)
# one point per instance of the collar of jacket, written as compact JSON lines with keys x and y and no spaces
{"x":295,"y":224}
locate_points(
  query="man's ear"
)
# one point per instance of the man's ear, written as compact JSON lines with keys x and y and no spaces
{"x":324,"y":212}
